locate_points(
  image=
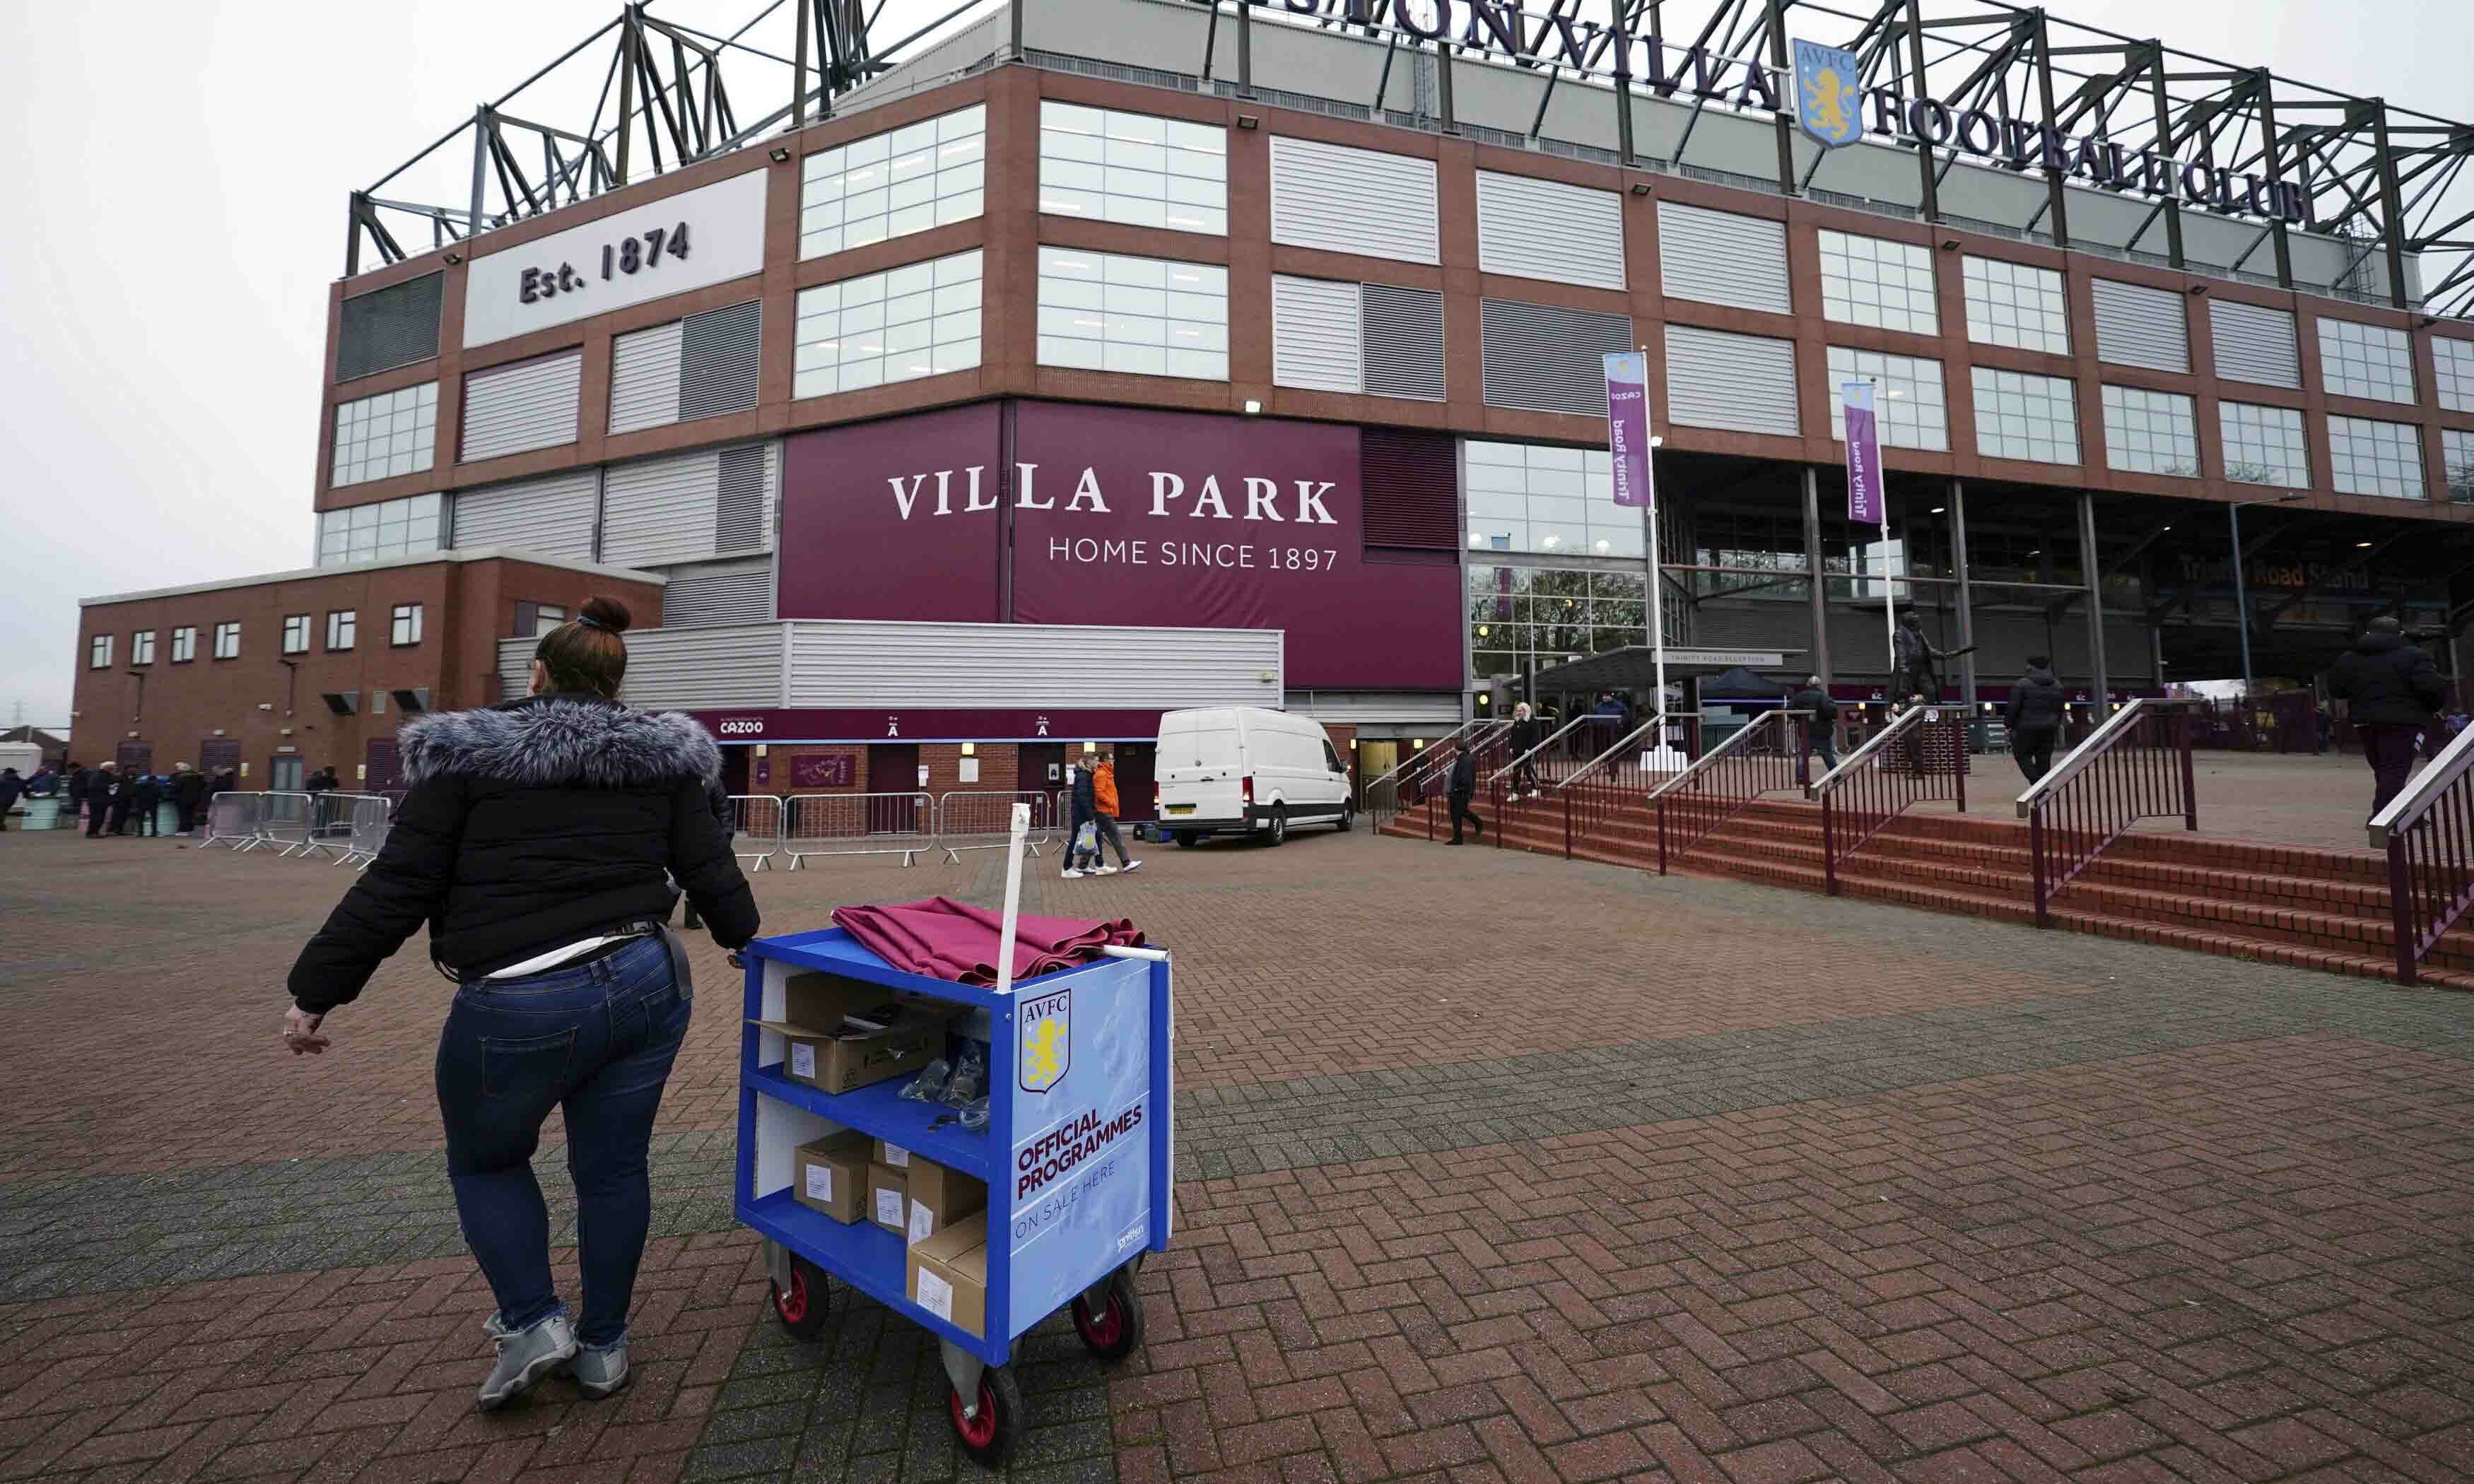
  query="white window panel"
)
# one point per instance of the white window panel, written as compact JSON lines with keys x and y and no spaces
{"x":1533,"y":229}
{"x":2265,"y":445}
{"x":2365,"y":360}
{"x":1364,"y":201}
{"x":1557,"y":501}
{"x":407,"y":527}
{"x":1109,"y":165}
{"x":380,"y":437}
{"x":2150,"y":432}
{"x":1316,"y":335}
{"x":2456,"y":457}
{"x":2135,"y":325}
{"x":1876,"y":282}
{"x":1144,"y":316}
{"x":1718,"y":258}
{"x":2019,"y":416}
{"x":923,"y":176}
{"x":2454,"y":370}
{"x":2370,"y":456}
{"x":2016,"y":304}
{"x":1910,"y":409}
{"x":919,"y":319}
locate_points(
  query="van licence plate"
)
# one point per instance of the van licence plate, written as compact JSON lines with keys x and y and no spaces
{"x":1178,"y":808}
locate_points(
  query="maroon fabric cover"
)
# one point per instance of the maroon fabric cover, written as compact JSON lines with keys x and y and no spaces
{"x":946,"y":938}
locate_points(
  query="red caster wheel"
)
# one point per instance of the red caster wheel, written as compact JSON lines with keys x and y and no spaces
{"x":1114,"y":1329}
{"x":995,"y":1425}
{"x":802,"y":1307}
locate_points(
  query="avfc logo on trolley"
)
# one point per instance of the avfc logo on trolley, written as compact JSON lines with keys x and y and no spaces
{"x":1824,"y":94}
{"x":1047,"y":1041}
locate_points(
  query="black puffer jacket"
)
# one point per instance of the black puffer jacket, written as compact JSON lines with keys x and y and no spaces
{"x":2387,"y":681}
{"x":2036,"y":702}
{"x":528,"y":826}
{"x":1527,"y":735}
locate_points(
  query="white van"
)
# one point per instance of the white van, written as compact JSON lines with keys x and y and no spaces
{"x":1243,"y":769}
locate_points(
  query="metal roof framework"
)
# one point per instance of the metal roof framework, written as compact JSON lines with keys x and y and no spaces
{"x":2394,"y":180}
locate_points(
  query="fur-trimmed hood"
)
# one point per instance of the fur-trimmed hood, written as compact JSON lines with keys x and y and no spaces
{"x":558,"y":741}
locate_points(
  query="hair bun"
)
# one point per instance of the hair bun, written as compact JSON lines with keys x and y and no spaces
{"x":608,"y":612}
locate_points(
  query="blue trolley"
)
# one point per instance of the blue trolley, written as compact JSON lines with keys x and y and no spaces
{"x":1077,"y":1156}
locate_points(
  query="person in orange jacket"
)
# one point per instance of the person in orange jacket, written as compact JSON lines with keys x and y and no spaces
{"x":1104,"y":801}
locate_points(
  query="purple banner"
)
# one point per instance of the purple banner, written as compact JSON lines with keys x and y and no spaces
{"x":731,"y":729}
{"x":1863,"y":454}
{"x":1628,"y":429}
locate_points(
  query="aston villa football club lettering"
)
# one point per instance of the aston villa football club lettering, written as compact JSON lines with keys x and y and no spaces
{"x":1824,"y":96}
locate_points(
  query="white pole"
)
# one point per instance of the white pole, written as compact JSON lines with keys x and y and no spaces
{"x":1658,"y":757}
{"x":1013,"y":897}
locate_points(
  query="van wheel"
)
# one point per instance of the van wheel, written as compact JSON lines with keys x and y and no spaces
{"x":1187,"y":837}
{"x":1347,"y":817}
{"x":1279,"y":830}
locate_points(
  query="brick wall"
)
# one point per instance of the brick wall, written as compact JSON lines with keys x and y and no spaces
{"x":999,"y":767}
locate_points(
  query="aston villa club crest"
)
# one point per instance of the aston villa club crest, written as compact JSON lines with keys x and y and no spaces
{"x":1047,"y":1040}
{"x":1824,"y":94}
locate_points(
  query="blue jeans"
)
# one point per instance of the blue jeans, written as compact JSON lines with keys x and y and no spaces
{"x":1819,"y":741}
{"x":596,"y":1041}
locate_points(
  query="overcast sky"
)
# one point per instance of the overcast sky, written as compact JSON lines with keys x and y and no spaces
{"x":177,"y":181}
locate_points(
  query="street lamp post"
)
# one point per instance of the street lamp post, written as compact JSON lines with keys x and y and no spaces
{"x":2242,"y":598}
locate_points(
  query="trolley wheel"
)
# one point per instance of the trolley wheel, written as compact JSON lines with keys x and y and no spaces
{"x":989,"y":1437}
{"x":1279,"y":830}
{"x":802,"y":1307}
{"x":1187,"y":837}
{"x":1116,"y":1329}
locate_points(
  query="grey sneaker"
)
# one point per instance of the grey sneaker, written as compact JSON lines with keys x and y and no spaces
{"x":601,"y":1372}
{"x":525,"y":1357}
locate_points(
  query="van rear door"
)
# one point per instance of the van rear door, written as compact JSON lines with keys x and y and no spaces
{"x":1200,"y":767}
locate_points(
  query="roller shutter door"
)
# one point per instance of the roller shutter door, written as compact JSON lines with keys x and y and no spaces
{"x":2141,"y":326}
{"x":1741,"y":383}
{"x":2255,"y":344}
{"x":514,"y":409}
{"x":1363,"y":201}
{"x":1535,"y":229}
{"x":1547,"y":359}
{"x":1718,"y":258}
{"x":551,"y":516}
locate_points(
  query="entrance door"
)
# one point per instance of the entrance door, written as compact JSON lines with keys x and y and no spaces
{"x":134,"y":758}
{"x":383,"y":769}
{"x":1042,"y":767}
{"x":1137,"y":766}
{"x":893,"y":768}
{"x":735,"y":764}
{"x":283,"y":776}
{"x":1374,"y":758}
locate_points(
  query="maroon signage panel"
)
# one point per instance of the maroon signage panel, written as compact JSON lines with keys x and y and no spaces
{"x":894,"y":519}
{"x":1190,"y":520}
{"x":731,"y":729}
{"x":838,"y":771}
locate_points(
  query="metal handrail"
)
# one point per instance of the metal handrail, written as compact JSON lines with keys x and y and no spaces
{"x":1883,"y":794}
{"x":1724,"y":750}
{"x":1907,"y":721}
{"x":2098,"y":742}
{"x":2428,"y":832}
{"x":2408,"y":808}
{"x":1417,"y":757}
{"x":1625,"y":741}
{"x":1496,"y":777}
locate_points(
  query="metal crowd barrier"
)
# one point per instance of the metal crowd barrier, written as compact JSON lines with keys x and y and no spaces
{"x":858,"y":824}
{"x":365,"y":828}
{"x":755,"y":827}
{"x":232,"y":820}
{"x":982,"y":820}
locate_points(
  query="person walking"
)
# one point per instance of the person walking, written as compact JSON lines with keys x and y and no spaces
{"x":1527,"y":732}
{"x":1082,"y":807}
{"x":538,"y":839}
{"x":1820,"y":716}
{"x":2034,"y":717}
{"x":189,"y":794}
{"x":2392,"y":692}
{"x":1104,"y":812}
{"x":10,"y":788}
{"x":96,"y":786}
{"x":1464,"y":785}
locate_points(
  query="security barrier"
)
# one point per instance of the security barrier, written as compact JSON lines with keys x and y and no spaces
{"x":858,"y":824}
{"x":365,"y":824}
{"x":982,"y":820}
{"x":755,"y":827}
{"x":291,"y":823}
{"x":233,"y":821}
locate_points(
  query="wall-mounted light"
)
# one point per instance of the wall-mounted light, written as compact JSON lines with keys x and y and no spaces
{"x":970,"y":750}
{"x":1419,"y":743}
{"x":1088,"y":748}
{"x":132,"y":734}
{"x":778,"y":155}
{"x":1656,"y":442}
{"x":1249,"y":120}
{"x":1253,"y":408}
{"x":2426,"y":321}
{"x":2362,"y":545}
{"x":1939,"y":508}
{"x":453,"y":258}
{"x":2198,"y":289}
{"x":1640,"y":187}
{"x":1950,"y":243}
{"x":1483,"y":699}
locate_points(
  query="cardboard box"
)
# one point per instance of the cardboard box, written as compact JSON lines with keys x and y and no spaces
{"x":888,"y":1198}
{"x":892,"y":1156}
{"x":830,"y":1175}
{"x":940,"y":1197}
{"x":846,"y":1035}
{"x":949,"y":1275}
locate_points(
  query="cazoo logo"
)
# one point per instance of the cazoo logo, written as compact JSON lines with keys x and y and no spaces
{"x":742,"y":727}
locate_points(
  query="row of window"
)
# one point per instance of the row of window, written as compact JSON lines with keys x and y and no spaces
{"x":404,"y":629}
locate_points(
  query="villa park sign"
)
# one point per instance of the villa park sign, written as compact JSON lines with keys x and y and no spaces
{"x":1824,"y":97}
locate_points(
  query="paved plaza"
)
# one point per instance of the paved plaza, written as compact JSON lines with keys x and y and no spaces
{"x":1496,"y":1169}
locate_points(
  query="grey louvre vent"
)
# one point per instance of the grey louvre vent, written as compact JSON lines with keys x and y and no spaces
{"x":550,"y":516}
{"x":1547,"y":359}
{"x":2255,"y":344}
{"x":1744,"y":383}
{"x":394,"y":326}
{"x":739,"y":522}
{"x":1405,"y":341}
{"x":1718,"y":258}
{"x":718,"y":359}
{"x":2141,"y":326}
{"x":645,"y":378}
{"x":531,"y":404}
{"x":722,"y":592}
